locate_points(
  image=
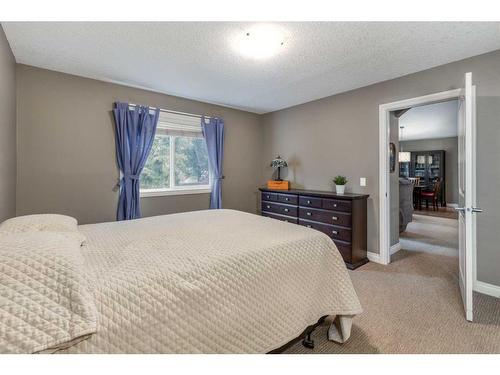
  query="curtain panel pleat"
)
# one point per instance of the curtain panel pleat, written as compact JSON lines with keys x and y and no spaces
{"x":213,"y":132}
{"x":135,"y":129}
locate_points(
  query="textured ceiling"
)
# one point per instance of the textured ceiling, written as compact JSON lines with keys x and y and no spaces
{"x":195,"y":59}
{"x":430,"y":121}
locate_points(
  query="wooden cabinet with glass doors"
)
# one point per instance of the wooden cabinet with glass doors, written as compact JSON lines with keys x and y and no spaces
{"x":430,"y":167}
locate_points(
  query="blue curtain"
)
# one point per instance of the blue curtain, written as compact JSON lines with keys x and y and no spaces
{"x":135,"y":133}
{"x":213,"y":131}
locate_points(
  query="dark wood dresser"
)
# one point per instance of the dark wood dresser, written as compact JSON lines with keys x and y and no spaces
{"x":342,"y":217}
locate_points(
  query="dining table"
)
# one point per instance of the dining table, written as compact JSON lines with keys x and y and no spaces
{"x":417,"y":197}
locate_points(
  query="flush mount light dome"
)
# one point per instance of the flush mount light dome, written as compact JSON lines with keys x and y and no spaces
{"x":260,"y":41}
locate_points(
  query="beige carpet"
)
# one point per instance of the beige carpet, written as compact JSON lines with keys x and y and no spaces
{"x":434,"y":235}
{"x":446,"y":212}
{"x":413,"y":305}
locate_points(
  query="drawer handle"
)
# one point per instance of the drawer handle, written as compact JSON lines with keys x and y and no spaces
{"x":335,"y":205}
{"x":309,"y":226}
{"x":267,"y":196}
{"x":268,"y":206}
{"x":335,"y":232}
{"x":286,"y":210}
{"x":308,"y":202}
{"x":308,"y":214}
{"x":335,"y":218}
{"x":287,"y":199}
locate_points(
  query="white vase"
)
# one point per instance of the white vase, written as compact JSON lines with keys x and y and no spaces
{"x":340,"y":189}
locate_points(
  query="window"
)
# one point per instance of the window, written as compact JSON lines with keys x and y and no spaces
{"x":178,"y":161}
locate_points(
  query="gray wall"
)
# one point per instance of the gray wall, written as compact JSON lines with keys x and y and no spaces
{"x":339,"y":135}
{"x":67,"y":164}
{"x":7,"y":130}
{"x":450,"y":146}
{"x":66,"y":148}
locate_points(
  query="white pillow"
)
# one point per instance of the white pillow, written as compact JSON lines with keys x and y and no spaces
{"x":43,"y":223}
{"x":46,"y":293}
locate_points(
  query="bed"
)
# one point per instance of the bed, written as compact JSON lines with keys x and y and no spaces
{"x":215,"y":281}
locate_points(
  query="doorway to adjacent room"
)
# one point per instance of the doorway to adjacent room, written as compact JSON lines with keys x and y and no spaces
{"x":423,"y":184}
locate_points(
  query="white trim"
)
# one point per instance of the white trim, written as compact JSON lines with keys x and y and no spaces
{"x":485,"y":288}
{"x":384,"y":203}
{"x":164,"y":192}
{"x":395,"y":248}
{"x":171,"y":159}
{"x":452,"y":205}
{"x":384,"y":186}
{"x":374,"y":257}
{"x":474,"y":191}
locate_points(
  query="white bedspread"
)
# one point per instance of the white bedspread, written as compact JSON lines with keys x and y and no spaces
{"x":45,"y":294}
{"x":218,"y":281}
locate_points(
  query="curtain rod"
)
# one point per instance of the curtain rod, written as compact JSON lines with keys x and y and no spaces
{"x":175,"y":112}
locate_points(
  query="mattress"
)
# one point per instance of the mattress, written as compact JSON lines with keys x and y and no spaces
{"x":215,"y":281}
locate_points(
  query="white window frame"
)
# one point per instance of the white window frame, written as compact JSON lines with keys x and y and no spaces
{"x":176,"y":190}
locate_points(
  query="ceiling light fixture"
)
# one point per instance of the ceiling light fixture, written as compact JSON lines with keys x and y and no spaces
{"x":404,"y":156}
{"x":260,"y":41}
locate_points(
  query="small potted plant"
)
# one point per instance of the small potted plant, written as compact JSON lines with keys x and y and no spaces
{"x":340,"y":183}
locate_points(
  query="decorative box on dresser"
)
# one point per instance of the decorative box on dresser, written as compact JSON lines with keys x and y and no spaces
{"x":342,"y":217}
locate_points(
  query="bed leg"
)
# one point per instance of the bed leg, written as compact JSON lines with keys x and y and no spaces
{"x":307,"y":341}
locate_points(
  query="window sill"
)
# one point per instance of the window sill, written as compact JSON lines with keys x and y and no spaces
{"x":161,"y":193}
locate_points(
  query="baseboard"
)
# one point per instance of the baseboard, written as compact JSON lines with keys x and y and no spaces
{"x":452,"y":205}
{"x":485,"y":288}
{"x":374,"y":257}
{"x":395,"y":248}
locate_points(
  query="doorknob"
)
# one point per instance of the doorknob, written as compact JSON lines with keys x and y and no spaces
{"x":473,"y":209}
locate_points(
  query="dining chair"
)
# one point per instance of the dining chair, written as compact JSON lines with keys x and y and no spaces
{"x":432,"y":195}
{"x":414,"y":180}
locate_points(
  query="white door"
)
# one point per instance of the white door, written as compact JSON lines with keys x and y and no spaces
{"x":467,"y":196}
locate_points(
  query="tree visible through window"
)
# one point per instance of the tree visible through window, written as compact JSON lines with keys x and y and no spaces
{"x":191,"y":161}
{"x":176,"y":163}
{"x":156,"y":172}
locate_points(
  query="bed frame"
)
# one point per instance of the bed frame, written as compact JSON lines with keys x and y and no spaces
{"x":307,"y":341}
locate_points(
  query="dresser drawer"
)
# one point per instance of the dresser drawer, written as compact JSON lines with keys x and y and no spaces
{"x":345,"y":249}
{"x":336,"y":233}
{"x":324,"y":216}
{"x":310,"y":202}
{"x":278,"y":208}
{"x":288,"y":219}
{"x":269,"y":196}
{"x":288,"y":198}
{"x":336,"y":205}
{"x":340,"y":233}
{"x":343,"y":218}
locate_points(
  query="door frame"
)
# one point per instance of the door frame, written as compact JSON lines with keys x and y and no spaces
{"x":384,"y":176}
